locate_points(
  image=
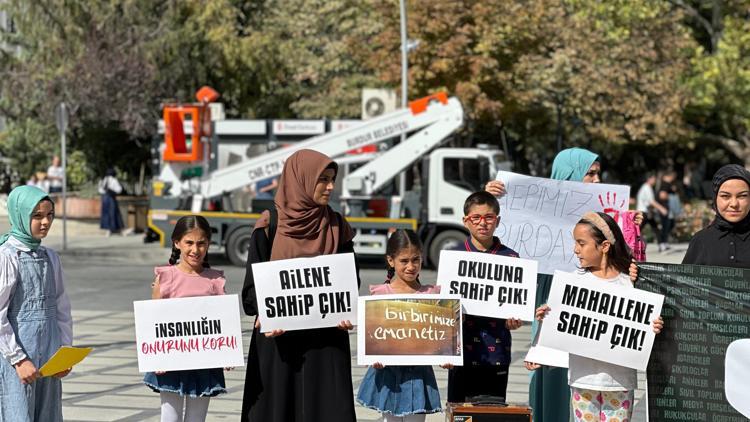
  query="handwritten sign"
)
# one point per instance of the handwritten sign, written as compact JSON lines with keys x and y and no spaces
{"x":538,"y":216}
{"x":304,"y":293}
{"x":415,"y":329}
{"x":188,"y":333}
{"x":599,"y":320}
{"x":490,"y":285}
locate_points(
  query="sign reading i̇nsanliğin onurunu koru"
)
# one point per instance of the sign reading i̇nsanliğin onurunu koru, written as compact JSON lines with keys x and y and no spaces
{"x":706,"y":308}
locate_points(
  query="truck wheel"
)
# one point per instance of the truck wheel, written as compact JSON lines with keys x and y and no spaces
{"x":448,"y":239}
{"x":238,"y":246}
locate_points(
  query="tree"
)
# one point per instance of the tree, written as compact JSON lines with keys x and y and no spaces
{"x":719,"y":109}
{"x":548,"y":72}
{"x":112,"y":63}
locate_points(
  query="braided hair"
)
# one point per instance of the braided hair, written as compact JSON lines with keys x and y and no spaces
{"x":400,"y":239}
{"x":186,"y":224}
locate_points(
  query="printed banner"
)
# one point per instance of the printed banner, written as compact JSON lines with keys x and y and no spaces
{"x":188,"y":333}
{"x":706,"y":309}
{"x":490,"y":285}
{"x":601,"y":321}
{"x":538,"y":216}
{"x":412,"y":329}
{"x":304,"y":293}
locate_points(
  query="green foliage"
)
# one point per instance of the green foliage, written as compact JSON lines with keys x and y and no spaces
{"x":30,"y":144}
{"x":78,"y":172}
{"x":609,"y":75}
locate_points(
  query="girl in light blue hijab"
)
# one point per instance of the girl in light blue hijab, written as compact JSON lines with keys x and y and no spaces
{"x":576,"y":164}
{"x":35,"y":319}
{"x":549,"y":394}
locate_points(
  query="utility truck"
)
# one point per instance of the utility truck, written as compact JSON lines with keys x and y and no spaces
{"x":202,"y":163}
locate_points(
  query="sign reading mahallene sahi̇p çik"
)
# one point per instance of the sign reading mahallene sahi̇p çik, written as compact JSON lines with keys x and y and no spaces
{"x":600,"y":320}
{"x":188,"y":333}
{"x":538,"y":216}
{"x":490,"y":285}
{"x":412,"y":329}
{"x":304,"y":293}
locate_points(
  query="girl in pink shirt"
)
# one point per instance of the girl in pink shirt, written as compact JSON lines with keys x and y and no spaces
{"x":401,"y":393}
{"x":188,"y":274}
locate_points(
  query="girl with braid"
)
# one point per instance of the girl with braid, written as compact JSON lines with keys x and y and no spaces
{"x":188,"y":274}
{"x":401,"y":393}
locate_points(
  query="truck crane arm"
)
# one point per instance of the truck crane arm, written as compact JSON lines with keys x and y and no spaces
{"x":373,"y":175}
{"x":428,"y":111}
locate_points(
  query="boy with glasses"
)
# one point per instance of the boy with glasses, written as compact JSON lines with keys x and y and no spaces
{"x":486,"y":340}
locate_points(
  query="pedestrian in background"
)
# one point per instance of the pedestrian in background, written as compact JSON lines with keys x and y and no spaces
{"x":55,"y":174}
{"x":185,"y":395}
{"x":666,"y":198}
{"x":35,"y":318}
{"x":111,"y":218}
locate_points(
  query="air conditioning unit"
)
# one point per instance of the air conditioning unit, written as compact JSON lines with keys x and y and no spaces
{"x":377,"y":101}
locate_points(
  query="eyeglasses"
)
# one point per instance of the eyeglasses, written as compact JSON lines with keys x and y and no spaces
{"x":488,"y":218}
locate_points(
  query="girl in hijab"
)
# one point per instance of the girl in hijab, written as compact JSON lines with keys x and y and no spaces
{"x":726,"y":241}
{"x":301,"y":375}
{"x":549,"y":395}
{"x":35,"y":315}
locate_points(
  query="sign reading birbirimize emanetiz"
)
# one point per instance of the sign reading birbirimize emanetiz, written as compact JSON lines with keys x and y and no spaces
{"x":706,"y":309}
{"x":410,"y":329}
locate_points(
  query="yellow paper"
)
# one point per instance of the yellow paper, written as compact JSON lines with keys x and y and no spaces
{"x":65,"y":357}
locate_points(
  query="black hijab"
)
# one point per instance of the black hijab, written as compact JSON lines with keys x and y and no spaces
{"x":728,"y":172}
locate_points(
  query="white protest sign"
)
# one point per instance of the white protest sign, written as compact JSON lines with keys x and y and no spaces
{"x":600,"y":320}
{"x":538,"y":216}
{"x":188,"y":333}
{"x":409,"y":329}
{"x":490,"y":285}
{"x":304,"y":293}
{"x":736,"y":375}
{"x":545,"y":355}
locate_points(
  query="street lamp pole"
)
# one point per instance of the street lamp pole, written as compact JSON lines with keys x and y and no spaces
{"x":404,"y":83}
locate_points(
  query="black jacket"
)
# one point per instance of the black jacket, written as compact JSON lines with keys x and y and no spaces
{"x":719,"y":247}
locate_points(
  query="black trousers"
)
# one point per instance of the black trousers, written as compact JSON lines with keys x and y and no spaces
{"x":667,"y":224}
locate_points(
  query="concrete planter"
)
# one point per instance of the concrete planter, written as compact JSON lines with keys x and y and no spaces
{"x":76,"y":207}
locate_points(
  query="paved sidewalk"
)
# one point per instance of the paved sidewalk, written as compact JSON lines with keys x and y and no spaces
{"x":107,"y":385}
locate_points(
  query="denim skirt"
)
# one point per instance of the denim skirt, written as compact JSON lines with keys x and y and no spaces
{"x":191,"y":383}
{"x":400,"y":390}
